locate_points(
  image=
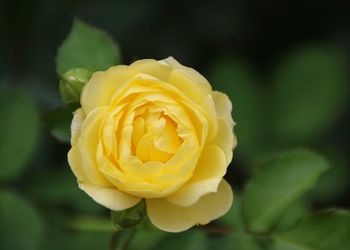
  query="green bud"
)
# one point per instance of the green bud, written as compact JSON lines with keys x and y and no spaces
{"x":71,"y":84}
{"x":130,"y":217}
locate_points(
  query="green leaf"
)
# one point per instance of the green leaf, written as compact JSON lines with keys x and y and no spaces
{"x":240,"y":82}
{"x":335,"y":183}
{"x":309,"y":93}
{"x":293,"y":215}
{"x":189,"y":240}
{"x":19,"y":129}
{"x":130,"y":217}
{"x":87,"y":47}
{"x":278,"y":185}
{"x":59,"y":121}
{"x":241,"y":241}
{"x":321,"y":231}
{"x":60,"y":187}
{"x":279,"y":244}
{"x":20,"y":227}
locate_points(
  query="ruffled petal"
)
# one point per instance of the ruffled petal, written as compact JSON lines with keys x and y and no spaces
{"x":172,"y":218}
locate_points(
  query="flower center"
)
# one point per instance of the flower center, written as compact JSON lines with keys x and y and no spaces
{"x":154,"y":136}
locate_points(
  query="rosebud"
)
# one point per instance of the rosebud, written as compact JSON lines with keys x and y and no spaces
{"x":130,"y":217}
{"x":71,"y":84}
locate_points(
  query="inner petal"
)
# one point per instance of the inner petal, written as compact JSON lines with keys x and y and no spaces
{"x":168,"y":140}
{"x":154,"y":136}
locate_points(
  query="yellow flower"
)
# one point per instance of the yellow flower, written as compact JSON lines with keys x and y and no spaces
{"x":154,"y":130}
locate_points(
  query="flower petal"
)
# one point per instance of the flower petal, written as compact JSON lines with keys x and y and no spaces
{"x":86,"y":148}
{"x":102,"y":86}
{"x":223,"y":107}
{"x":225,"y":139}
{"x":172,"y":218}
{"x":78,"y":118}
{"x":196,"y":93}
{"x":75,"y":163}
{"x":196,"y":77}
{"x":153,"y":68}
{"x":110,"y":198}
{"x":209,"y":171}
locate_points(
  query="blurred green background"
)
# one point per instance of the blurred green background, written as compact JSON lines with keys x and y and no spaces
{"x":284,"y":65}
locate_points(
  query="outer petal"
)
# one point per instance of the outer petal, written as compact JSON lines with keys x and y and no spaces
{"x":223,"y":107}
{"x":75,"y":163}
{"x":78,"y":119}
{"x":225,"y":138}
{"x":152,"y":67}
{"x":82,"y":156}
{"x":102,"y":86}
{"x":208,"y":174}
{"x":110,"y":197}
{"x":190,"y":72}
{"x":172,"y":218}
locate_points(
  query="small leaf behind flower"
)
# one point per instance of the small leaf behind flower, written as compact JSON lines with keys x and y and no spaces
{"x":19,"y":132}
{"x":59,"y":188}
{"x":58,"y":121}
{"x":87,"y":47}
{"x":130,"y":217}
{"x":278,"y":185}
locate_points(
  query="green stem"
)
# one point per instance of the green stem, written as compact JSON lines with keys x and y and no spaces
{"x":118,"y":238}
{"x":129,"y":240}
{"x":113,"y":241}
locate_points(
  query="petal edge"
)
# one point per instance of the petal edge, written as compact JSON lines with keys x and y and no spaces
{"x":171,"y":218}
{"x":110,"y":198}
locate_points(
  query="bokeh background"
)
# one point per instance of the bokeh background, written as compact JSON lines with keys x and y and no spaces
{"x":284,"y":65}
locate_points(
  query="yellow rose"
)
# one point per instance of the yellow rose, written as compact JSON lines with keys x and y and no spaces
{"x":154,"y":130}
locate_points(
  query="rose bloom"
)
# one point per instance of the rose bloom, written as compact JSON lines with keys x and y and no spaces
{"x":154,"y":130}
